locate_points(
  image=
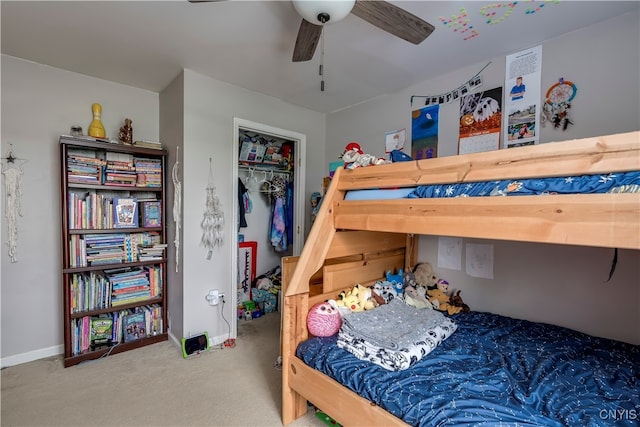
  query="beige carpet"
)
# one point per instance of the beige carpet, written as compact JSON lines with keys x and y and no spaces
{"x":155,"y":386}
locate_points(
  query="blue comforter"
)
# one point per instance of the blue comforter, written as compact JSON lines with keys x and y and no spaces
{"x":497,"y":370}
{"x":626,"y":182}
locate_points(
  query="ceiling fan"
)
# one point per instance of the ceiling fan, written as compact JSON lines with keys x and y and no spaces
{"x":382,"y":14}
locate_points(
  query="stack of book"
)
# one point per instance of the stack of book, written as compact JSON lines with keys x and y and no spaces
{"x":104,"y":249}
{"x":120,"y":170}
{"x":84,"y":168}
{"x":128,"y":285}
{"x":151,"y":252}
{"x":149,"y":172}
{"x":156,"y":145}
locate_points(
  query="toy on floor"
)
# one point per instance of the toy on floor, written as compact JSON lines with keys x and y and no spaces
{"x":354,"y":157}
{"x":327,"y":419}
{"x":324,"y":320}
{"x":440,"y":300}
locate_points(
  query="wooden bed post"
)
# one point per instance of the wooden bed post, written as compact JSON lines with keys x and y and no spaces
{"x":296,"y":295}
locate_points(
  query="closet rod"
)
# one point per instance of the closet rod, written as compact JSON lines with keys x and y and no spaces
{"x":264,"y":169}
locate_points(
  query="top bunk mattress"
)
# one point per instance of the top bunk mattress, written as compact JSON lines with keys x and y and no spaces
{"x":493,"y":370}
{"x":623,"y":182}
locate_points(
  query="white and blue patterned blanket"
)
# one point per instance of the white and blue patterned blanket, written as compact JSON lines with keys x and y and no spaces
{"x":394,"y":335}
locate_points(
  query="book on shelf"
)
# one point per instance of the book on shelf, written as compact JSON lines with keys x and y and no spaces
{"x":156,"y":145}
{"x":153,"y":252}
{"x":125,"y":212}
{"x":151,"y":213}
{"x":80,"y":138}
{"x":134,"y":326}
{"x":101,"y":332}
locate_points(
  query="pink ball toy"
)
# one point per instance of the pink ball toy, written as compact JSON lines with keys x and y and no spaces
{"x":323,"y":320}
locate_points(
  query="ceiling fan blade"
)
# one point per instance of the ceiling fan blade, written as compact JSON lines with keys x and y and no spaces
{"x":393,"y":19}
{"x":307,"y":41}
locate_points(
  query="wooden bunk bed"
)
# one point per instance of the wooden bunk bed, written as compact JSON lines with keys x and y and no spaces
{"x":357,"y":241}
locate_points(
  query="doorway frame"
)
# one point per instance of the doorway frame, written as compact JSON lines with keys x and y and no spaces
{"x":300,"y":145}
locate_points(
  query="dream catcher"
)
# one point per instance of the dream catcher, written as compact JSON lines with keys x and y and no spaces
{"x":13,"y":200}
{"x":213,"y":221}
{"x":177,"y":205}
{"x":558,"y":103}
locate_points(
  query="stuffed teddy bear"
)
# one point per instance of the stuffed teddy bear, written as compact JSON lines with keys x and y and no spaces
{"x":440,"y":300}
{"x":424,"y":275}
{"x":354,"y":157}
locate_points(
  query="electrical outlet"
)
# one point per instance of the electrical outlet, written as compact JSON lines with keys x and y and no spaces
{"x":213,"y":297}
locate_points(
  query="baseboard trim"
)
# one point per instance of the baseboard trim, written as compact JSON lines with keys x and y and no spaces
{"x":30,"y":356}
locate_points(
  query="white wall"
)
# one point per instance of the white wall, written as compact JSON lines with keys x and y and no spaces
{"x":209,"y":109}
{"x":40,"y":103}
{"x":171,"y":132}
{"x":562,"y":285}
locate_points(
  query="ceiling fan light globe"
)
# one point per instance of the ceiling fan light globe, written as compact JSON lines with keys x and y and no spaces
{"x":310,"y":10}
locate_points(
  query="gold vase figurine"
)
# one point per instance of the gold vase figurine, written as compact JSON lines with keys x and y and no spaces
{"x":96,"y":128}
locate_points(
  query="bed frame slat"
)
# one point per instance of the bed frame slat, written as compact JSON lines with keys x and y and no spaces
{"x":606,"y":220}
{"x":578,"y":157}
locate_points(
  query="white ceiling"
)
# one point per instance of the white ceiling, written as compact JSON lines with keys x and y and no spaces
{"x":146,"y":44}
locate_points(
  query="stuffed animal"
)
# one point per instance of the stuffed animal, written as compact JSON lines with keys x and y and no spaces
{"x":440,"y":300}
{"x":416,"y":297}
{"x":456,"y":300}
{"x":397,"y":280}
{"x":424,"y":275}
{"x":359,"y":298}
{"x":354,"y":157}
{"x":365,"y":296}
{"x":385,"y":290}
{"x":324,"y":320}
{"x":349,"y":301}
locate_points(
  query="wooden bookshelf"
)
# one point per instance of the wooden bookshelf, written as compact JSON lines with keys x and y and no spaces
{"x":95,"y":248}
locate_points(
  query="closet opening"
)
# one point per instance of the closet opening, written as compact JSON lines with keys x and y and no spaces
{"x":269,"y":215}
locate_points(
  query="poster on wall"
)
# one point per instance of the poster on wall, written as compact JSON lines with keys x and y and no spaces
{"x":394,"y":140}
{"x":424,"y":132}
{"x":522,"y":102}
{"x":480,"y":121}
{"x":247,"y":253}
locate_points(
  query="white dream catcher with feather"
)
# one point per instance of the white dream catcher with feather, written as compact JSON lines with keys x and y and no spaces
{"x":213,"y":221}
{"x":177,"y":203}
{"x":13,"y":201}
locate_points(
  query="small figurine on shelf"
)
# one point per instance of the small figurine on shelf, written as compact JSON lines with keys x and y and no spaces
{"x":126,"y":133}
{"x":96,"y":128}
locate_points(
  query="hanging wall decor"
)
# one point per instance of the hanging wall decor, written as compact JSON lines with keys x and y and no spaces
{"x":453,"y":95}
{"x":177,"y":203}
{"x":558,"y":103}
{"x":213,"y":221}
{"x":12,"y":172}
